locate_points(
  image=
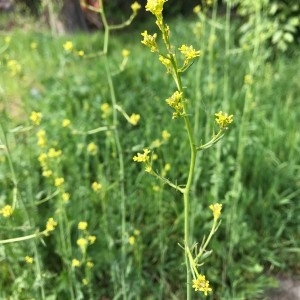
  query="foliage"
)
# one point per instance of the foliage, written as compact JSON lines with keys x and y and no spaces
{"x":256,"y":167}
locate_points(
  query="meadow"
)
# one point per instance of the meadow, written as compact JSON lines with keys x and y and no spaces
{"x":80,"y":219}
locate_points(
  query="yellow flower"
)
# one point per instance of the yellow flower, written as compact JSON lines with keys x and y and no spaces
{"x":80,"y":53}
{"x":149,"y":41}
{"x":96,"y":186}
{"x":131,"y":240}
{"x":51,"y":224}
{"x":82,"y":225}
{"x":65,"y":197}
{"x":165,"y":135}
{"x":201,"y":284}
{"x":52,"y":153}
{"x":43,"y":159}
{"x":47,"y":173}
{"x":125,"y":53}
{"x":216,"y":209}
{"x":58,"y":181}
{"x":85,"y":281}
{"x":134,"y":119}
{"x":7,"y":39}
{"x":68,"y":46}
{"x":197,"y":9}
{"x":82,"y":244}
{"x":155,"y":7}
{"x":28,"y":259}
{"x":135,"y":7}
{"x":92,"y":239}
{"x":66,"y":123}
{"x":90,"y":264}
{"x":35,"y":117}
{"x":142,"y":157}
{"x":75,"y":262}
{"x":189,"y":53}
{"x":248,"y":79}
{"x":33,"y":45}
{"x":166,"y":61}
{"x":6,"y":211}
{"x":223,"y":119}
{"x":14,"y":67}
{"x":92,"y":148}
{"x":175,"y":101}
{"x":42,"y":140}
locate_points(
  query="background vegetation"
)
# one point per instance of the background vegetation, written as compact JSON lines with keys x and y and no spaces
{"x":254,"y":171}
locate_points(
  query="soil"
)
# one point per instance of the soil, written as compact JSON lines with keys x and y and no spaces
{"x":289,"y":289}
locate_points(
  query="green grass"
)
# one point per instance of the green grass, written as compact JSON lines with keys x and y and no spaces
{"x":253,"y":171}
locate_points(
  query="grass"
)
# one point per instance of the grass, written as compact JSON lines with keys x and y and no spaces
{"x":254,"y":171}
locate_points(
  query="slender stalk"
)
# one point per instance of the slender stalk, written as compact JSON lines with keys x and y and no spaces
{"x":117,"y":141}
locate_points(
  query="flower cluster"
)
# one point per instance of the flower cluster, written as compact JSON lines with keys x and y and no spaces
{"x":35,"y":117}
{"x":223,"y":119}
{"x":175,"y":101}
{"x":6,"y":211}
{"x":216,"y":209}
{"x":201,"y":284}
{"x":144,"y":158}
{"x":50,"y":226}
{"x":150,"y":41}
{"x":189,"y":54}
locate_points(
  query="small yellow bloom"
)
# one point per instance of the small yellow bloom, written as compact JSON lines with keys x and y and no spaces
{"x":142,"y":157}
{"x":52,"y":153}
{"x":189,"y":52}
{"x":92,"y":148}
{"x":85,"y":281}
{"x":201,"y":284}
{"x":28,"y":259}
{"x":134,"y":119}
{"x":165,"y":135}
{"x":106,"y":110}
{"x":51,"y":224}
{"x":33,"y":45}
{"x":156,"y":188}
{"x":223,"y":119}
{"x":82,"y":244}
{"x":82,"y":225}
{"x":66,"y":123}
{"x":7,"y":39}
{"x":148,"y":169}
{"x":68,"y":46}
{"x":96,"y":186}
{"x":197,"y":9}
{"x":75,"y":263}
{"x":248,"y":79}
{"x":131,"y":240}
{"x":149,"y":41}
{"x":80,"y":53}
{"x":65,"y":197}
{"x":216,"y":209}
{"x":90,"y":264}
{"x":14,"y":67}
{"x":155,"y":7}
{"x":35,"y":117}
{"x":42,"y":140}
{"x":125,"y":53}
{"x":59,"y":181}
{"x":92,"y":239}
{"x":166,"y":61}
{"x":135,"y":7}
{"x":43,"y":159}
{"x":47,"y":173}
{"x":6,"y":211}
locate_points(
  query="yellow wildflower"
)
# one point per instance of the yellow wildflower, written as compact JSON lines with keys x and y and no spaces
{"x":106,"y":109}
{"x":125,"y":53}
{"x":28,"y":259}
{"x":90,"y":264}
{"x":82,"y":244}
{"x":165,"y":135}
{"x":6,"y":211}
{"x":35,"y":117}
{"x":65,"y":197}
{"x":47,"y":173}
{"x":131,"y":240}
{"x":59,"y":181}
{"x":197,"y":9}
{"x":52,"y":153}
{"x":7,"y":39}
{"x":134,"y":119}
{"x":92,"y":239}
{"x":75,"y":263}
{"x":223,"y":119}
{"x":96,"y":186}
{"x":68,"y":46}
{"x":66,"y":123}
{"x":33,"y":45}
{"x":14,"y":67}
{"x":82,"y":225}
{"x":135,"y":7}
{"x":142,"y":157}
{"x":92,"y":148}
{"x":216,"y":209}
{"x":201,"y":284}
{"x":42,"y":140}
{"x":51,"y":224}
{"x":155,"y":7}
{"x":166,"y":61}
{"x":149,"y":41}
{"x":248,"y":79}
{"x":80,"y":53}
{"x":136,"y":232}
{"x":85,"y":281}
